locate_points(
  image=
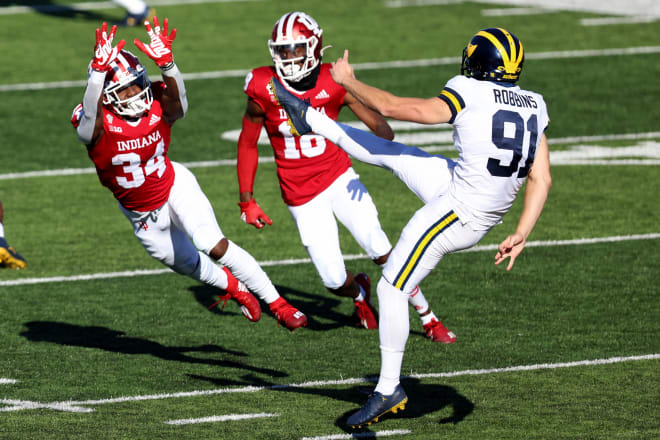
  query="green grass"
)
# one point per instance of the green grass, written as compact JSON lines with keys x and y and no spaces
{"x":94,"y":340}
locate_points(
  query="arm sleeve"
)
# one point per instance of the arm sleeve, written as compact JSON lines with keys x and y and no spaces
{"x":248,"y":155}
{"x":90,"y":105}
{"x":174,"y":72}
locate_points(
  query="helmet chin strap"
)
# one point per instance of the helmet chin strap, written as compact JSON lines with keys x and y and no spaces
{"x":308,"y":82}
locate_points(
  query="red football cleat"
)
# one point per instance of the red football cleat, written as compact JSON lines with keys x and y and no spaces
{"x":287,"y":315}
{"x":437,"y":332}
{"x":239,"y":292}
{"x":365,"y":310}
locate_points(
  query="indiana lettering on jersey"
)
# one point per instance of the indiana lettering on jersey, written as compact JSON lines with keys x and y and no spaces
{"x":136,"y":144}
{"x":509,"y":97}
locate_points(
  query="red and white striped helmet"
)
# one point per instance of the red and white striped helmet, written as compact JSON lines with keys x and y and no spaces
{"x":296,"y":30}
{"x":124,"y":71}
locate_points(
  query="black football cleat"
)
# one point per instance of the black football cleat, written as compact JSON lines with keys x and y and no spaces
{"x":377,"y":406}
{"x":9,"y":257}
{"x":295,"y":108}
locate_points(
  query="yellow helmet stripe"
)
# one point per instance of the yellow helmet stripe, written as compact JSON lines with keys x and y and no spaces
{"x":512,"y":44}
{"x":510,"y":64}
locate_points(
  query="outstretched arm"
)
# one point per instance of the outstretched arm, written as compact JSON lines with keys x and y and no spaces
{"x":375,"y":121}
{"x":89,"y":122}
{"x":175,"y":102}
{"x":539,"y":182}
{"x":424,"y":111}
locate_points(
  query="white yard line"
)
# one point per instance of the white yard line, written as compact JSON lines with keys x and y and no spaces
{"x":372,"y":434}
{"x":401,"y":64}
{"x":296,"y":261}
{"x":577,"y":157}
{"x":225,"y":418}
{"x":5,"y":381}
{"x":81,"y":406}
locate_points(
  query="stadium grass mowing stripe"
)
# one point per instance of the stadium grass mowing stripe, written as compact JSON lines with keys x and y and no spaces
{"x":296,"y":261}
{"x":80,"y":406}
{"x":226,"y":418}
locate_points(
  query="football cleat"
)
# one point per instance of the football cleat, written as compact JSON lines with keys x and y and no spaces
{"x":9,"y":257}
{"x":295,"y":108}
{"x":239,"y":292}
{"x":287,"y":315}
{"x":377,"y":406}
{"x":437,"y":332}
{"x":366,"y":312}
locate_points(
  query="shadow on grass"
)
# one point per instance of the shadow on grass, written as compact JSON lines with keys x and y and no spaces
{"x":117,"y":342}
{"x":322,"y":304}
{"x":423,"y":399}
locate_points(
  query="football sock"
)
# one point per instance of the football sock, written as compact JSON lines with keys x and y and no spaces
{"x":418,"y":301}
{"x":2,"y":230}
{"x":246,"y":269}
{"x":428,"y":318}
{"x":393,"y":333}
{"x":208,"y":272}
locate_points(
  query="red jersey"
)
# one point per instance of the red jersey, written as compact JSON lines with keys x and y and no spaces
{"x":308,"y":164}
{"x":132,"y":160}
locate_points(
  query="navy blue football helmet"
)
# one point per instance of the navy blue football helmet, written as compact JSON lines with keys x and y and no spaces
{"x":493,"y":54}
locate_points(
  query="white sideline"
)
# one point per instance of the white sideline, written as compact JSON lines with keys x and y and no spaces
{"x":373,"y":434}
{"x":81,"y":406}
{"x":225,"y":418}
{"x":296,"y":261}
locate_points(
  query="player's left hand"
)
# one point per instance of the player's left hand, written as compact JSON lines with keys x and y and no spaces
{"x":160,"y":47}
{"x":511,"y":247}
{"x":341,"y":70}
{"x":104,"y":53}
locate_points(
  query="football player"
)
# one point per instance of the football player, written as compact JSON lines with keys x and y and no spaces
{"x":499,"y":134}
{"x":137,"y":11}
{"x":125,"y":121}
{"x":316,"y":178}
{"x":8,"y":256}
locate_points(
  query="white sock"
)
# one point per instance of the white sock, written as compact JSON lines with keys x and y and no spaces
{"x":393,"y":332}
{"x":246,"y":269}
{"x":208,"y":272}
{"x":428,"y":318}
{"x":2,"y":230}
{"x":418,"y":301}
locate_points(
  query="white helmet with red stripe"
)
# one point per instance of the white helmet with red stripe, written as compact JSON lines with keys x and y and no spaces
{"x":295,"y":46}
{"x":124,"y":71}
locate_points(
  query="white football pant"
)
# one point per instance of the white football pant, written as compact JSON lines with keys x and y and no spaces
{"x":348,"y":200}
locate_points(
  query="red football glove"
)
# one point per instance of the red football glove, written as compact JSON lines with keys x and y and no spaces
{"x":160,"y":47}
{"x":252,"y":214}
{"x":104,"y":53}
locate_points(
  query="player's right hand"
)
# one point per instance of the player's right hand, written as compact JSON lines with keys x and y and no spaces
{"x":104,"y":53}
{"x":252,"y":214}
{"x":341,"y":70}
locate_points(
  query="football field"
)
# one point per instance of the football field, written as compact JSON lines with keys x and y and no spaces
{"x":99,"y":341}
